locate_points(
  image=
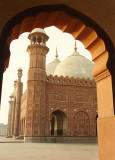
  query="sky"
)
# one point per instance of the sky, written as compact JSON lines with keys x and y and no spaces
{"x":20,"y":58}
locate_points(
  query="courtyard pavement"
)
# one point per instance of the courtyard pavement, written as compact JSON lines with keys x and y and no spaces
{"x":11,"y":149}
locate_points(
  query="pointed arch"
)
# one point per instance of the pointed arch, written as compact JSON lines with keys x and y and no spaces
{"x":58,"y":123}
{"x":81,"y":124}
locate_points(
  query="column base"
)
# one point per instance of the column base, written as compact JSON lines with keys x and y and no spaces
{"x":9,"y":136}
{"x":106,"y":138}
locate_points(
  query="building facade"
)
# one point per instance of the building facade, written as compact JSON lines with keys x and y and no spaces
{"x":60,"y":100}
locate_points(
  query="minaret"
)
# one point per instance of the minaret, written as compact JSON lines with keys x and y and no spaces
{"x":13,"y":109}
{"x":17,"y":102}
{"x":9,"y":129}
{"x":36,"y":85}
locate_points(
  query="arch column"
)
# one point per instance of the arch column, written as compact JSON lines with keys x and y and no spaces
{"x":1,"y":77}
{"x":106,"y":118}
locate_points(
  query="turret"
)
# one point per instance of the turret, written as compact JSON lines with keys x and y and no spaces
{"x":18,"y":89}
{"x":19,"y":74}
{"x":15,"y":82}
{"x":9,"y":129}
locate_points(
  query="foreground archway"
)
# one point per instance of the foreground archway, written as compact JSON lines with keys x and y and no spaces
{"x":73,"y":23}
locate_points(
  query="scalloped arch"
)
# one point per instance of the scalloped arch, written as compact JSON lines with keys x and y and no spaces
{"x":60,"y":20}
{"x":76,"y":25}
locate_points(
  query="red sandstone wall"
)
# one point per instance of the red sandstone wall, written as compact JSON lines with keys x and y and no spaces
{"x":76,"y":98}
{"x":23,"y":112}
{"x":23,"y":105}
{"x":78,"y":102}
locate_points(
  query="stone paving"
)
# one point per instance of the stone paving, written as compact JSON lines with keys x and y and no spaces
{"x":11,"y":149}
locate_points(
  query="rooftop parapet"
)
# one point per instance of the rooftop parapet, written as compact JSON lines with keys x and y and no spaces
{"x":70,"y":81}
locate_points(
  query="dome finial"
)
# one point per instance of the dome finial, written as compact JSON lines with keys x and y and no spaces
{"x":75,"y":48}
{"x":56,"y":53}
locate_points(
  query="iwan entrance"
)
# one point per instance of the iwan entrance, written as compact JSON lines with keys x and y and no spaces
{"x":58,"y":123}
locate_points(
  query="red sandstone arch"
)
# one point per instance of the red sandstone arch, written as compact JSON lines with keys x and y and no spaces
{"x":58,"y":110}
{"x":66,"y":23}
{"x":98,"y":46}
{"x":61,"y":119}
{"x":79,"y":31}
{"x":86,"y":34}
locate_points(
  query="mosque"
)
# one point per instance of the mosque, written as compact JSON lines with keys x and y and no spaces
{"x":60,"y":102}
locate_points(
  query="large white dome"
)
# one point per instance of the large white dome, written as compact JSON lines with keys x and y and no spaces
{"x":75,"y":66}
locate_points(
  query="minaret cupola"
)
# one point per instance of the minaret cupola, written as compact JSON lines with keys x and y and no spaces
{"x":38,"y":36}
{"x":37,"y":49}
{"x":19,"y":74}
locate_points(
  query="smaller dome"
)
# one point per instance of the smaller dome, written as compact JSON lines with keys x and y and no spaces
{"x":40,"y":30}
{"x":50,"y":68}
